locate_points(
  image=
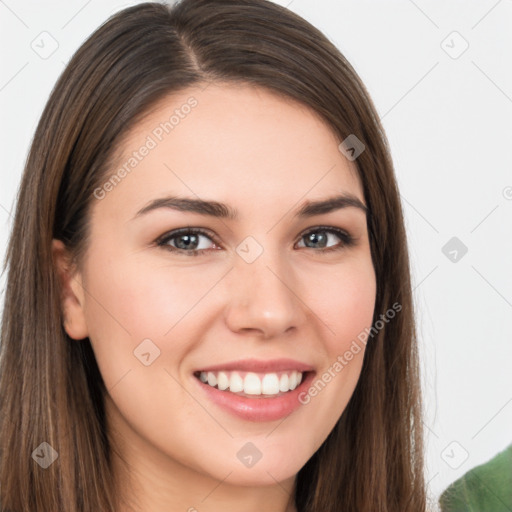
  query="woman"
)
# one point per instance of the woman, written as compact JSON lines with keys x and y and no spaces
{"x":277,"y":368}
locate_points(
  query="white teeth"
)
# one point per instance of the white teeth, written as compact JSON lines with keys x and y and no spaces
{"x":212,"y":379}
{"x":236,"y":384}
{"x":253,"y":383}
{"x":292,"y":383}
{"x":222,"y":381}
{"x":270,"y":384}
{"x":283,"y":383}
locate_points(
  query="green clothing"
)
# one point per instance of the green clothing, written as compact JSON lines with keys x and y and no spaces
{"x":485,"y":488}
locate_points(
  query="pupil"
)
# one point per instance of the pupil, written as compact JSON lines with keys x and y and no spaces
{"x":191,"y":240}
{"x":315,"y":238}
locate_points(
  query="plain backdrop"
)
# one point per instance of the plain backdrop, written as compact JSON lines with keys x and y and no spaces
{"x":440,"y":74}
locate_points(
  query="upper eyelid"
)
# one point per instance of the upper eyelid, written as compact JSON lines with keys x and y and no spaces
{"x":176,"y":232}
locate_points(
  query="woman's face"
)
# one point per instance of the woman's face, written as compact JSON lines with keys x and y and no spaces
{"x":266,"y":289}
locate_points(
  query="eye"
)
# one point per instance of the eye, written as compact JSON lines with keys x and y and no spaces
{"x":187,"y":240}
{"x":321,"y":237}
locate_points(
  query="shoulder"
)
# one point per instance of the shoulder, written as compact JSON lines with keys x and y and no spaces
{"x":484,"y":488}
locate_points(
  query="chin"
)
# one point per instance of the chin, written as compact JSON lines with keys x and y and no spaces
{"x":261,"y":473}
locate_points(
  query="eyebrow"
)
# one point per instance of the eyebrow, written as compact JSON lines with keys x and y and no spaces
{"x":224,"y":211}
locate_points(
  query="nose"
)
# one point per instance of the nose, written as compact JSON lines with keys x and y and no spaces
{"x":264,"y":298}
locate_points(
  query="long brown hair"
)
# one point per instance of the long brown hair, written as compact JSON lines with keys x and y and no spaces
{"x":50,"y":386}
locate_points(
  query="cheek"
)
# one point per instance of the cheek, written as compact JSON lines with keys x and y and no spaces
{"x":344,"y":301}
{"x":130,"y":300}
{"x":344,"y":305}
{"x":144,"y":297}
{"x":134,"y":298}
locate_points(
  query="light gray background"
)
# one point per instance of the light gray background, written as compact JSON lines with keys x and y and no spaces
{"x":448,"y":117}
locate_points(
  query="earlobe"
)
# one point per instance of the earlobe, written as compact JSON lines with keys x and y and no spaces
{"x":71,"y":292}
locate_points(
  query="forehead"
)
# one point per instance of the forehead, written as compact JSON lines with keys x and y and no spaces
{"x":232,"y":142}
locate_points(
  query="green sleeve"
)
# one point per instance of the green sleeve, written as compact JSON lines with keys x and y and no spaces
{"x":486,"y":488}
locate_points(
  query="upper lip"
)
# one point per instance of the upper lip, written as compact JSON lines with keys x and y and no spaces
{"x":260,"y":366}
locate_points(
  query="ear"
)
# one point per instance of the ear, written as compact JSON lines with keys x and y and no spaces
{"x":72,"y":292}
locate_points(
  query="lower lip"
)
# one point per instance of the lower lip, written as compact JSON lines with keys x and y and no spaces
{"x":259,"y":408}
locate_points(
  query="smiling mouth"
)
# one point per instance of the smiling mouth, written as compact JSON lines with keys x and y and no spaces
{"x":252,"y":384}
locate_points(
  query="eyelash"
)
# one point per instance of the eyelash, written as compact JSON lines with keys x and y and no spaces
{"x":347,"y":239}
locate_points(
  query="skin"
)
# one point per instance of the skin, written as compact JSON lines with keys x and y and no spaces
{"x":265,"y":156}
